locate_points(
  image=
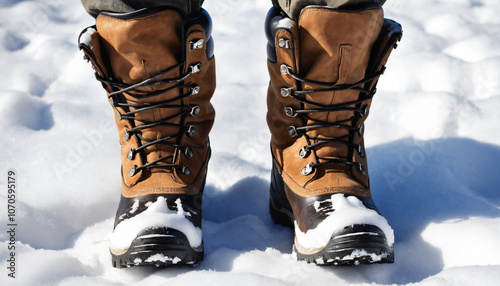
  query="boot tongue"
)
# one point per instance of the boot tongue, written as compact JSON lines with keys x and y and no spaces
{"x":139,"y":48}
{"x":335,"y":47}
{"x":336,"y":44}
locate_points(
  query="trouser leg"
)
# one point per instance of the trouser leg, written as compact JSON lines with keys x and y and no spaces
{"x":192,"y":7}
{"x":293,"y":7}
{"x":185,"y":7}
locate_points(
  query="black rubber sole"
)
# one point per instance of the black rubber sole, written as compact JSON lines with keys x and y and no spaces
{"x":159,"y":247}
{"x":354,"y":245}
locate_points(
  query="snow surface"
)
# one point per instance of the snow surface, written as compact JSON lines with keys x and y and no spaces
{"x":432,"y":139}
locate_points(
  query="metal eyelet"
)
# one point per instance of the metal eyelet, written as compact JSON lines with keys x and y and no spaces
{"x":286,"y":91}
{"x":195,"y":89}
{"x":290,"y":112}
{"x":362,"y":169}
{"x":126,"y":135}
{"x":366,"y":109}
{"x":196,"y":44}
{"x":362,"y":112}
{"x":118,"y":115}
{"x":196,"y":68}
{"x":191,"y":130}
{"x":361,"y":151}
{"x":131,"y":155}
{"x":360,"y":130}
{"x":308,"y":169}
{"x":292,"y":131}
{"x":132,"y":171}
{"x":284,"y":43}
{"x":304,"y":152}
{"x":284,"y":69}
{"x":195,"y":109}
{"x":186,"y":170}
{"x":188,"y":153}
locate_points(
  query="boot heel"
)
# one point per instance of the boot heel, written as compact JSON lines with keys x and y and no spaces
{"x":280,"y":215}
{"x":281,"y":211}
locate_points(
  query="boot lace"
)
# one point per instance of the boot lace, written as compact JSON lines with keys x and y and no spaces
{"x":132,"y":109}
{"x":356,"y":107}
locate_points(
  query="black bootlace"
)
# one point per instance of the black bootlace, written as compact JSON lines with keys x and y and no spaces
{"x":118,"y":100}
{"x":313,"y":142}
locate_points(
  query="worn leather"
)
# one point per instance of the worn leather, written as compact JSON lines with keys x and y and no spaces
{"x":327,"y":45}
{"x":303,"y":210}
{"x":132,"y":49}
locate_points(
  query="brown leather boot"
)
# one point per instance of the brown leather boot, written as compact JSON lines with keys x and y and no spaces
{"x":323,"y":71}
{"x":159,"y":73}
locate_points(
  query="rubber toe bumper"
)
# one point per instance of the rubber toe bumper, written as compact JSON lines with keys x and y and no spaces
{"x":158,"y":247}
{"x":357,"y":244}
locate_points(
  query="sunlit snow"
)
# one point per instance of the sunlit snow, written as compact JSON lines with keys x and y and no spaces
{"x":432,"y":141}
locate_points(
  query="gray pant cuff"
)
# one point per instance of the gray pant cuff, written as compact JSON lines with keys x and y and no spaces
{"x":185,"y":7}
{"x":292,"y":8}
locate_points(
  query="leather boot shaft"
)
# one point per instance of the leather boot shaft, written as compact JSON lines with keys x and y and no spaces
{"x":159,"y":72}
{"x":323,"y":71}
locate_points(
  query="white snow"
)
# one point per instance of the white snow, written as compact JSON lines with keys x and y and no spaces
{"x":86,"y":37}
{"x":286,"y":23}
{"x":362,"y":252}
{"x":156,"y":215}
{"x":432,"y":144}
{"x":470,"y":241}
{"x":348,"y":211}
{"x":162,"y":258}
